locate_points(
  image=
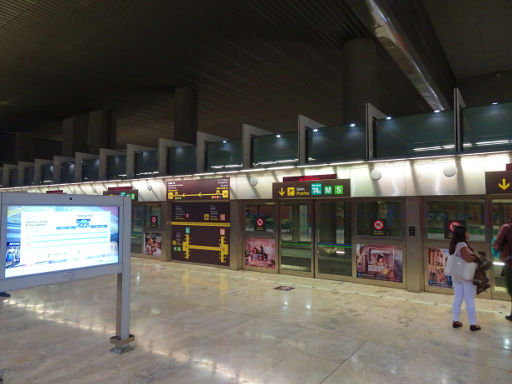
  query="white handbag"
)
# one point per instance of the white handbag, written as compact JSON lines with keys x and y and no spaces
{"x":460,"y":269}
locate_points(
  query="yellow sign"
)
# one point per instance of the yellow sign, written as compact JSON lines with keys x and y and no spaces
{"x":206,"y":216}
{"x":290,"y":191}
{"x":504,"y":185}
{"x":281,"y":191}
{"x":225,"y":194}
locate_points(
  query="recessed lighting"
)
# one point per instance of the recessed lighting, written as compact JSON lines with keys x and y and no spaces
{"x":315,"y":130}
{"x":388,"y":117}
{"x":352,"y":124}
{"x":437,"y":110}
{"x":224,"y":141}
{"x":278,"y":135}
{"x":494,"y":103}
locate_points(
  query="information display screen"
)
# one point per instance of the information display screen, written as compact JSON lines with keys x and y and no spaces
{"x":43,"y":239}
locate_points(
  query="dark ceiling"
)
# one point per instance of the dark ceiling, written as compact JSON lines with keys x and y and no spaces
{"x":476,"y":35}
{"x":260,"y":62}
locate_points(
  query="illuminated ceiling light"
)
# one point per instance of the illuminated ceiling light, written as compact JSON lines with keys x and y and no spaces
{"x":437,"y":110}
{"x":352,"y":124}
{"x":449,"y":146}
{"x":494,"y":103}
{"x":467,"y":145}
{"x":493,"y":142}
{"x":388,"y":117}
{"x":424,"y":149}
{"x":278,"y":136}
{"x":315,"y":130}
{"x":224,"y":141}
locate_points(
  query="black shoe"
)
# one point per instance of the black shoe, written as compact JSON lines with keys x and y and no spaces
{"x":475,"y":328}
{"x":509,"y":317}
{"x":456,"y":324}
{"x":4,"y":294}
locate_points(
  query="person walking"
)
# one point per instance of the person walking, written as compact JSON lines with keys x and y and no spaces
{"x":503,"y":244}
{"x":463,"y":289}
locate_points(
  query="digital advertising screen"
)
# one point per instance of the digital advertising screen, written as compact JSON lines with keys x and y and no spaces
{"x":51,"y":238}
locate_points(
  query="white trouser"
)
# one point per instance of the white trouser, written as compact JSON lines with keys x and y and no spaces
{"x":464,"y":290}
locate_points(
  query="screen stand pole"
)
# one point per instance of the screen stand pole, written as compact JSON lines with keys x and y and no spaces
{"x":123,"y":337}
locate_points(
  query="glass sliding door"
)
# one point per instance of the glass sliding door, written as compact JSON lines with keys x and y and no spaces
{"x":334,"y":241}
{"x":295,"y":240}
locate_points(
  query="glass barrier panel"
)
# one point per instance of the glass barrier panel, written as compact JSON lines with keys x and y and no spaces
{"x":380,"y":218}
{"x":146,"y":163}
{"x":116,"y":167}
{"x":226,"y":154}
{"x":337,"y":143}
{"x":181,"y":160}
{"x":137,"y":235}
{"x":415,"y":135}
{"x":501,"y":213}
{"x":153,"y":211}
{"x":29,"y":176}
{"x":443,"y":216}
{"x":487,"y":128}
{"x":275,"y":149}
{"x":90,"y":169}
{"x":67,"y":172}
{"x":259,"y":218}
{"x":47,"y":174}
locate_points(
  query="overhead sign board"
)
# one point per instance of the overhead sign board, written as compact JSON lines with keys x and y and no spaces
{"x":311,"y":189}
{"x":133,"y":193}
{"x":498,"y":182}
{"x":200,"y":189}
{"x":330,"y":176}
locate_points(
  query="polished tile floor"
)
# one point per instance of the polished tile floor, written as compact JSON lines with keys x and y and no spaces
{"x":196,"y":324}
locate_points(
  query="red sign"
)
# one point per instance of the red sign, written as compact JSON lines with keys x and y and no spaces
{"x":125,"y":188}
{"x":453,"y":225}
{"x":378,"y":225}
{"x":56,"y":191}
{"x":310,"y":177}
{"x":154,"y":221}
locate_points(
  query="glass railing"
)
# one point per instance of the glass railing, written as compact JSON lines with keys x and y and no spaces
{"x":47,"y":174}
{"x":416,"y":135}
{"x":337,"y":143}
{"x":225,"y":154}
{"x":146,"y":163}
{"x":28,"y":177}
{"x":275,"y":149}
{"x":67,"y":172}
{"x":181,"y":160}
{"x":487,"y":128}
{"x":116,"y":167}
{"x":90,"y":169}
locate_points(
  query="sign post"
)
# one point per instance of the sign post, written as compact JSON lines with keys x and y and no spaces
{"x":328,"y":189}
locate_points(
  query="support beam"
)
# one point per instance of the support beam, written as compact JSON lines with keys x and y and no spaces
{"x":163,"y":145}
{"x":372,"y":113}
{"x":248,"y":132}
{"x":185,"y":114}
{"x":24,"y":150}
{"x":57,"y":166}
{"x":201,"y":139}
{"x":38,"y":169}
{"x":23,"y":167}
{"x":131,"y":149}
{"x":101,"y":131}
{"x":74,"y":133}
{"x":104,"y":154}
{"x":79,"y":158}
{"x":305,"y":123}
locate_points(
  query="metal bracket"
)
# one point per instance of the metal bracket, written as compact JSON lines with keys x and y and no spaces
{"x":121,"y":346}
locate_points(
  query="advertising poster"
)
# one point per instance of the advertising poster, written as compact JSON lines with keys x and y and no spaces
{"x":260,"y":253}
{"x":152,"y":244}
{"x":379,"y":262}
{"x":436,"y":263}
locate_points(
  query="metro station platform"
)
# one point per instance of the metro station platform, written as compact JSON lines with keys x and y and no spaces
{"x":198,"y":324}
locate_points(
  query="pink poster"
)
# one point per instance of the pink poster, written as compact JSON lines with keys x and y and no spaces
{"x":260,"y":253}
{"x":379,"y":262}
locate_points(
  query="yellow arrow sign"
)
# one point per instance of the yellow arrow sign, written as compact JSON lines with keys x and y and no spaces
{"x":504,"y":185}
{"x":281,"y":191}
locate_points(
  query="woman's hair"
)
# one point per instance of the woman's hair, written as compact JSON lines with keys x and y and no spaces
{"x":379,"y":256}
{"x":459,"y":236}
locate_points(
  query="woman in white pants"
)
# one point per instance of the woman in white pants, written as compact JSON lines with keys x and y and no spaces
{"x":464,"y":289}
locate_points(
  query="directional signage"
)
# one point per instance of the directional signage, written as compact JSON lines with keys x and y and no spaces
{"x":200,"y":189}
{"x":311,"y":189}
{"x":498,"y":182}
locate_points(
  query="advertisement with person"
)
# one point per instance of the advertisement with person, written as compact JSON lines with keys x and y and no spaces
{"x":379,"y":262}
{"x":260,"y":253}
{"x":152,"y":244}
{"x":436,"y":263}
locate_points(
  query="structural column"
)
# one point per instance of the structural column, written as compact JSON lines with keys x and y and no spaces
{"x":24,"y":150}
{"x":185,"y":115}
{"x":74,"y":133}
{"x":360,"y":78}
{"x":101,"y":130}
